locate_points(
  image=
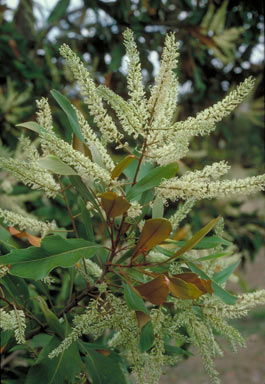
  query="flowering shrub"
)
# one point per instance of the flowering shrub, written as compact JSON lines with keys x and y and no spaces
{"x":121,"y":291}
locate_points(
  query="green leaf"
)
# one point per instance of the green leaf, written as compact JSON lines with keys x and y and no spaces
{"x":158,"y":208}
{"x":58,"y":11}
{"x":104,"y":369}
{"x":195,"y":239}
{"x":51,"y":318}
{"x":208,"y":242}
{"x":70,"y":113}
{"x":33,"y":126}
{"x":147,"y":337}
{"x":227,"y":297}
{"x":59,"y":370}
{"x":213,"y":256}
{"x":153,"y":233}
{"x":152,"y":179}
{"x":222,"y":276}
{"x":174,"y":350}
{"x":53,"y":164}
{"x":15,"y":289}
{"x":96,"y":156}
{"x":121,"y":166}
{"x":81,"y":188}
{"x":86,"y":219}
{"x":37,"y":262}
{"x":133,"y":300}
{"x":6,"y":240}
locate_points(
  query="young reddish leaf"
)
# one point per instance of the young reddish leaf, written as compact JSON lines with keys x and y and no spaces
{"x":2,"y":348}
{"x":189,"y":277}
{"x":183,"y":290}
{"x":153,"y":233}
{"x":119,"y":168}
{"x":33,"y":240}
{"x":113,"y":204}
{"x":194,"y":240}
{"x":156,"y":291}
{"x":142,"y":318}
{"x":180,"y":234}
{"x":125,"y":228}
{"x":103,"y":352}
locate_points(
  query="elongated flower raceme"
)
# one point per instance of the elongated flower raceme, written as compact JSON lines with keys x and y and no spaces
{"x":14,"y":320}
{"x":181,"y":188}
{"x":31,"y":175}
{"x":91,"y":97}
{"x":115,"y":265}
{"x":22,"y":222}
{"x":82,"y":164}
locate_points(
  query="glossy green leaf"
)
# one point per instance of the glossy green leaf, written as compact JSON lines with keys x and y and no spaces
{"x":15,"y":288}
{"x":224,"y":295}
{"x":153,"y":233}
{"x":113,"y":204}
{"x":81,"y":188}
{"x":213,"y":256}
{"x":152,"y":179}
{"x":104,"y":369}
{"x":208,"y":242}
{"x":53,"y":164}
{"x":58,"y":11}
{"x":195,"y":239}
{"x":50,"y":317}
{"x":147,"y":337}
{"x":59,"y":370}
{"x":222,"y":276}
{"x":37,"y":262}
{"x":134,"y":300}
{"x":86,"y":219}
{"x":70,"y":113}
{"x":121,"y":166}
{"x":6,"y":240}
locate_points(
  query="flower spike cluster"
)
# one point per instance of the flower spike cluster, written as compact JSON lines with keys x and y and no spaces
{"x":110,"y":203}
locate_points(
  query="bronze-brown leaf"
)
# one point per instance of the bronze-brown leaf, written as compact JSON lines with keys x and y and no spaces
{"x":183,"y":290}
{"x":142,"y":318}
{"x":156,"y":291}
{"x":33,"y":240}
{"x":121,"y":166}
{"x":204,"y":285}
{"x":153,"y":233}
{"x":113,"y":204}
{"x":188,"y":285}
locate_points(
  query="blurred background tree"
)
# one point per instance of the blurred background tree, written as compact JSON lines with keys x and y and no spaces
{"x":220,"y":43}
